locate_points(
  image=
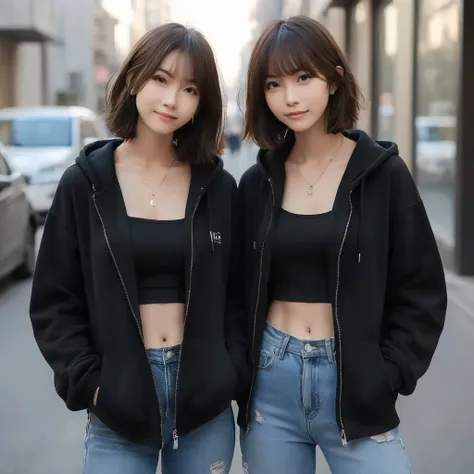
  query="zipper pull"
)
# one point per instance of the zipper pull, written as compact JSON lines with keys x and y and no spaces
{"x":343,"y":438}
{"x":255,"y":245}
{"x":212,"y":239}
{"x":175,"y":439}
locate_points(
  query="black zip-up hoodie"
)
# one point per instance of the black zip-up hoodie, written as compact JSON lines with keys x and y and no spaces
{"x":85,"y":313}
{"x":386,"y":280}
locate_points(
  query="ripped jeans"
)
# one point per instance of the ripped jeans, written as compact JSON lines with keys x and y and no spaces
{"x":207,"y":450}
{"x":294,"y":411}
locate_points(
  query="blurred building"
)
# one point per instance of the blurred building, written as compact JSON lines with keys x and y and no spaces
{"x":414,"y":61}
{"x":157,"y":12}
{"x":26,"y":27}
{"x":138,"y":26}
{"x":106,"y":56}
{"x":265,"y":11}
{"x":64,"y":51}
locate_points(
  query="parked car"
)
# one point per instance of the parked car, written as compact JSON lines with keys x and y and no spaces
{"x":17,"y":224}
{"x":436,"y":148}
{"x":42,"y":142}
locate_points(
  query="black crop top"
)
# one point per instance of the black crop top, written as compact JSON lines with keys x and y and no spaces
{"x":299,"y":270}
{"x":158,"y":249}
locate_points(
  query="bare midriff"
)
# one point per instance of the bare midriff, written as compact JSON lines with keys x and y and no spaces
{"x":309,"y":321}
{"x":162,"y":324}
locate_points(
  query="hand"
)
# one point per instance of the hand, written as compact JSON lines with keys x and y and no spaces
{"x":96,"y":393}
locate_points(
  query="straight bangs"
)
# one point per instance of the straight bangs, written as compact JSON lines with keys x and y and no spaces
{"x":286,"y":54}
{"x":149,"y":57}
{"x":189,"y":49}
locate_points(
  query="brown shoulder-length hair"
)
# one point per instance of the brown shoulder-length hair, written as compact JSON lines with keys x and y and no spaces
{"x":285,"y":48}
{"x":198,"y":141}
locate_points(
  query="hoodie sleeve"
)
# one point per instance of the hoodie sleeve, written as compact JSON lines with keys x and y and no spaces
{"x":236,"y":340}
{"x":416,"y":296}
{"x":58,"y":306}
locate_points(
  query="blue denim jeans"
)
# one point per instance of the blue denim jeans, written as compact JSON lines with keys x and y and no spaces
{"x":294,"y":411}
{"x":207,"y":450}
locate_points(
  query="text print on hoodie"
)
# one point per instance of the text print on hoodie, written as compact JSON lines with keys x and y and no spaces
{"x":84,"y":306}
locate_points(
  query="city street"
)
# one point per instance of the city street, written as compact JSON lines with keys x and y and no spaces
{"x":38,"y":435}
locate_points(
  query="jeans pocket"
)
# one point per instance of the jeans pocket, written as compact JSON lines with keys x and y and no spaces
{"x":266,"y":358}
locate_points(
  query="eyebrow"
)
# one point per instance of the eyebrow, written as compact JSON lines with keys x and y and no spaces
{"x":170,"y":74}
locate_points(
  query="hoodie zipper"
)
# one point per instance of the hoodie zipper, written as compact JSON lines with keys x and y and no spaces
{"x":130,"y":306}
{"x":336,"y":315}
{"x":175,"y":431}
{"x":258,"y":303}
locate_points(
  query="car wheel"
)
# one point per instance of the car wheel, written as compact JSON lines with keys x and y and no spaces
{"x":27,"y":267}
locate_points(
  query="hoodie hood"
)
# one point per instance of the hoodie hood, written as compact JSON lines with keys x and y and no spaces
{"x":96,"y":161}
{"x":367,"y":157}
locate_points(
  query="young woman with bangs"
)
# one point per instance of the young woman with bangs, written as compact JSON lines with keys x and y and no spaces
{"x":137,"y":301}
{"x":345,"y":286}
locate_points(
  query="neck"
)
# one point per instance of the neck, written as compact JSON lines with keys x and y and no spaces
{"x":315,"y":144}
{"x":151,"y":148}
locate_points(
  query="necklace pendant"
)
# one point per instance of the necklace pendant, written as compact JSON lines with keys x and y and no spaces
{"x":310,"y":190}
{"x":152,"y":201}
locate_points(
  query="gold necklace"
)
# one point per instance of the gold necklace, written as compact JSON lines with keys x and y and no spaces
{"x":152,"y":194}
{"x":311,"y":185}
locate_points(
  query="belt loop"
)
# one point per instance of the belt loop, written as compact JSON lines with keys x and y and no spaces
{"x":330,"y":350}
{"x":283,"y":345}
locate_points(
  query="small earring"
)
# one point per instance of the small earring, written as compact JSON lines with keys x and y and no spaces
{"x":175,"y":142}
{"x":192,"y":120}
{"x":284,"y":135}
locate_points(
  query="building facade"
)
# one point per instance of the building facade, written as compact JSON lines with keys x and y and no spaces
{"x":414,"y":62}
{"x":26,"y":27}
{"x":157,"y":12}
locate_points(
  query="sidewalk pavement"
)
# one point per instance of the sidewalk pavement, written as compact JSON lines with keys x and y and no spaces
{"x":461,"y":292}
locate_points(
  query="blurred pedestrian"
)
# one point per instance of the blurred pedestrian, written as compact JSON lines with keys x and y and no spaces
{"x":136,"y":301}
{"x":233,"y":128}
{"x":346,"y":288}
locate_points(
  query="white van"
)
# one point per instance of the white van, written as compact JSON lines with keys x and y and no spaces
{"x":436,"y":147}
{"x":41,"y":142}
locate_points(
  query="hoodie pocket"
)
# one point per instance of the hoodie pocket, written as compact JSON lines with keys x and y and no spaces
{"x":122,"y":403}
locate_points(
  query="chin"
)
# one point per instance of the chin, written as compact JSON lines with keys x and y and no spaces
{"x":161,"y":128}
{"x":301,"y":127}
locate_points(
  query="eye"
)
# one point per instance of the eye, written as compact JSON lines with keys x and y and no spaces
{"x":271,"y":85}
{"x":304,"y":77}
{"x":159,"y":79}
{"x":191,"y":90}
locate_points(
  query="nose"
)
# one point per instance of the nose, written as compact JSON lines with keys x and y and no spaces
{"x":170,"y":98}
{"x":290,"y":96}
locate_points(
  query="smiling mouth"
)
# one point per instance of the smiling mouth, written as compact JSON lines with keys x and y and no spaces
{"x":296,"y":114}
{"x":166,"y":116}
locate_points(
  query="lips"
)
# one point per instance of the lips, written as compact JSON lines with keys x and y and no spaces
{"x":296,"y":114}
{"x":166,"y":116}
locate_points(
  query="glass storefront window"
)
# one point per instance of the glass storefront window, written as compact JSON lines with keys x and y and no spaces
{"x":387,"y":48}
{"x":437,"y":64}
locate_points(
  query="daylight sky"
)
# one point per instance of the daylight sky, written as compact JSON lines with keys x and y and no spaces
{"x":226,"y":25}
